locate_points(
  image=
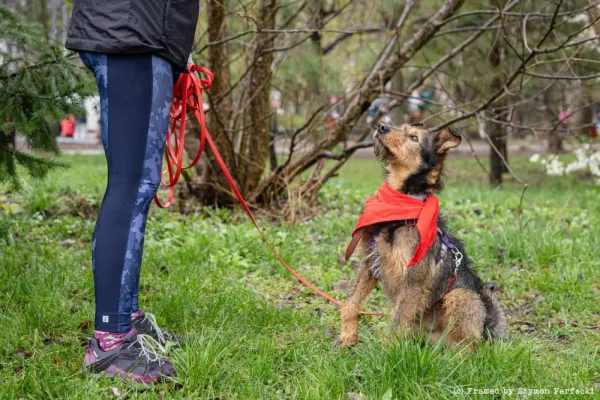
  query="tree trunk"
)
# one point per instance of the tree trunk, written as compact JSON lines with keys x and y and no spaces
{"x":43,"y":18}
{"x":555,"y":142}
{"x":316,"y":8}
{"x":496,"y":133}
{"x":594,"y":16}
{"x":258,"y":111}
{"x":53,"y":30}
{"x":64,"y":21}
{"x":272,"y":149}
{"x":582,"y":113}
{"x":316,"y":23}
{"x":212,"y":188}
{"x":553,"y":101}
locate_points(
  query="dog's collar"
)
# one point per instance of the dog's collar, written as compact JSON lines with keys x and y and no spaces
{"x":421,"y":197}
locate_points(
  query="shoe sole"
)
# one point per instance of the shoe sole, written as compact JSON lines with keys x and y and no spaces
{"x":114,"y":372}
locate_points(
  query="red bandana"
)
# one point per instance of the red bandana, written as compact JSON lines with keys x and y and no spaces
{"x":389,"y":205}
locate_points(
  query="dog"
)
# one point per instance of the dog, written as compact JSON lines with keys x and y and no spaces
{"x":440,"y":293}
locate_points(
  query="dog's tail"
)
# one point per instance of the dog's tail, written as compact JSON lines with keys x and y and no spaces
{"x":495,"y":322}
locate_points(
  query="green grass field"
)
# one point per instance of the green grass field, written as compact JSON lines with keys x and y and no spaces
{"x":254,"y":333}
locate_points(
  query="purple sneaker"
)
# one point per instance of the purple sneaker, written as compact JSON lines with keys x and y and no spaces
{"x":134,"y":359}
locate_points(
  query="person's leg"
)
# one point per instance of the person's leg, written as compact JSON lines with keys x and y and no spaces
{"x":134,"y":124}
{"x":135,"y":93}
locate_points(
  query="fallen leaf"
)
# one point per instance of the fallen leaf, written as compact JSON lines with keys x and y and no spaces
{"x":22,"y":353}
{"x":85,"y":325}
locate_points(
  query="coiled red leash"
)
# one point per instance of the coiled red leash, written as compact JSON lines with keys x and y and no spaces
{"x":187,"y":97}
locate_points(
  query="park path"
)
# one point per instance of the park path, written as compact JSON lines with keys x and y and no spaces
{"x":482,"y":149}
{"x":92,"y":146}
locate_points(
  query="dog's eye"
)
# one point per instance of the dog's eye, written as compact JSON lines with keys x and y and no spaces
{"x":413,"y":138}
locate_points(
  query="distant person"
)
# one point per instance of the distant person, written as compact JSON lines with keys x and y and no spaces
{"x":426,"y":95}
{"x":335,"y":113}
{"x":379,"y":105}
{"x":67,"y":126}
{"x":565,"y":120}
{"x":135,"y":50}
{"x":418,"y":103}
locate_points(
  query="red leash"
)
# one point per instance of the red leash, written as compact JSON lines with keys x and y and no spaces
{"x":187,"y":96}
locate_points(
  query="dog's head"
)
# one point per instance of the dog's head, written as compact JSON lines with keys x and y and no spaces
{"x":413,"y":157}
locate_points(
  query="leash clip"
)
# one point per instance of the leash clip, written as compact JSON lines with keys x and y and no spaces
{"x":458,"y":257}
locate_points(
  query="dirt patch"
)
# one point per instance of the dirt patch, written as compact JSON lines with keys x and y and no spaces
{"x":76,"y":205}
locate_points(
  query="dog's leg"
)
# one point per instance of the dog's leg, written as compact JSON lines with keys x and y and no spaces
{"x":465,"y":314}
{"x":364,"y":284}
{"x":430,"y":323}
{"x":408,"y":303}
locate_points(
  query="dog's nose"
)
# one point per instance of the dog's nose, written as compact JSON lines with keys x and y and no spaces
{"x":382,"y":128}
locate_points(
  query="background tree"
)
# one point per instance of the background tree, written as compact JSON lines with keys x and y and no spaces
{"x":358,"y":51}
{"x":38,"y":86}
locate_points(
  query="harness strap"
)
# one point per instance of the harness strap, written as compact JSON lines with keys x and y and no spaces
{"x":446,"y":246}
{"x":458,"y":257}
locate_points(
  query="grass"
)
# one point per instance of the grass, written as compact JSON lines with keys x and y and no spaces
{"x":255,"y":333}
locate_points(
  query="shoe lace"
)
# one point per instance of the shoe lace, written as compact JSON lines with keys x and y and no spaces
{"x":150,"y":348}
{"x":159,"y":332}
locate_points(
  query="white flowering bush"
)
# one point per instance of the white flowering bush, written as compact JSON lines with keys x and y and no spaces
{"x":587,"y":159}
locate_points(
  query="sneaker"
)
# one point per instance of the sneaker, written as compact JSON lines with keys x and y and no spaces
{"x":136,"y":359}
{"x":146,"y":324}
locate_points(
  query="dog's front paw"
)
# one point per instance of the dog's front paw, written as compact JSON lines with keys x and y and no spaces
{"x":348,"y":339}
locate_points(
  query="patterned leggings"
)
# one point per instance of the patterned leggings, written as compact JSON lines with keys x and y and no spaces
{"x":135,"y":94}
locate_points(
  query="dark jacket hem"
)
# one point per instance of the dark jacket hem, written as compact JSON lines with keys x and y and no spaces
{"x":111,"y":48}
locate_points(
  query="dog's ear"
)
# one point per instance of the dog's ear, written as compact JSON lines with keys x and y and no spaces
{"x":447,"y":139}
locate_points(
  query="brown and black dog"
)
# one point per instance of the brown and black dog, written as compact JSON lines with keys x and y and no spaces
{"x":420,"y":298}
